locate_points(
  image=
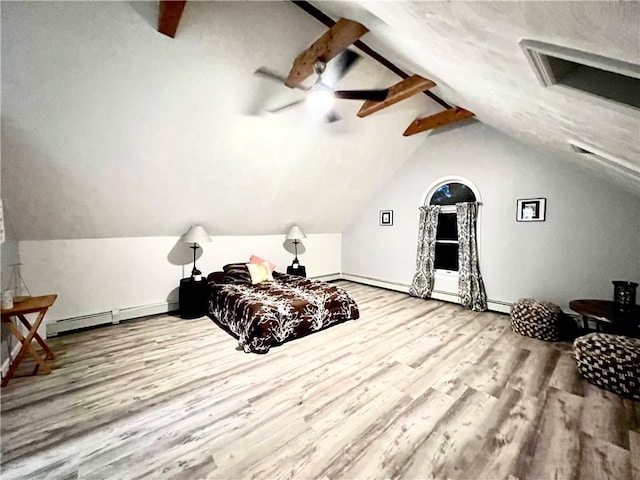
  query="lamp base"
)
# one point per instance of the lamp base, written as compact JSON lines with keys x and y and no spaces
{"x":195,"y":273}
{"x":297,"y":269}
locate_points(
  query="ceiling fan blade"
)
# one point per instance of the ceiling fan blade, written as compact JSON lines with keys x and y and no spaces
{"x":271,"y":75}
{"x":346,"y":61}
{"x":334,"y":41}
{"x":375,"y":95}
{"x":284,"y":107}
{"x":265,"y":72}
{"x":332,"y":116}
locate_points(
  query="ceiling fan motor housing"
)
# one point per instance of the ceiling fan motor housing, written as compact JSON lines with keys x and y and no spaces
{"x":319,"y":67}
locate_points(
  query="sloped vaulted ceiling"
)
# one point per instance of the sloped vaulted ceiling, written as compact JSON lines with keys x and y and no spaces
{"x":472,"y":50}
{"x":111,"y":129}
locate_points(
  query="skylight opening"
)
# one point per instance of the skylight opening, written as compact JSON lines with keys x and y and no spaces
{"x":589,"y":73}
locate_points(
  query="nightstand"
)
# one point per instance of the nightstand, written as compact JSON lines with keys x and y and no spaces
{"x":299,"y":271}
{"x":193,"y":298}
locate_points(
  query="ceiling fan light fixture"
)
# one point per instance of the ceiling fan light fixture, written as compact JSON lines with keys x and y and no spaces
{"x":320,"y":100}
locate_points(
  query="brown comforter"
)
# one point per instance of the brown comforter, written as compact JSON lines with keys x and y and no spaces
{"x":269,"y":313}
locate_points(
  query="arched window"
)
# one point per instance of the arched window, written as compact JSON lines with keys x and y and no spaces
{"x":451,"y":193}
{"x":447,"y":259}
{"x":447,"y":193}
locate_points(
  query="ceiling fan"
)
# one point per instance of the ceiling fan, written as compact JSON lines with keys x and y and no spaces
{"x":314,"y":59}
{"x":320,"y":96}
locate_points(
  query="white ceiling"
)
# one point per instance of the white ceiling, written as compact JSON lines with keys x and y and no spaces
{"x":472,"y":51}
{"x":110,"y":129}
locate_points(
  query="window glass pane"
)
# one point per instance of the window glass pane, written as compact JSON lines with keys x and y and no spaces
{"x":447,"y":227}
{"x":446,"y":256}
{"x":452,"y":193}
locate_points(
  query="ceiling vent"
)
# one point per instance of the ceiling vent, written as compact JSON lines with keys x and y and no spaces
{"x":593,"y":74}
{"x":604,"y":158}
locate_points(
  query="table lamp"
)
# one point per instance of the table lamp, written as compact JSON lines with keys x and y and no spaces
{"x":295,"y":234}
{"x":196,"y":234}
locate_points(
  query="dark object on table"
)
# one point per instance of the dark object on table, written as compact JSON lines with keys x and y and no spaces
{"x":611,"y":362}
{"x":605,"y":316}
{"x":624,"y":295}
{"x":194,"y":298}
{"x":297,"y":269}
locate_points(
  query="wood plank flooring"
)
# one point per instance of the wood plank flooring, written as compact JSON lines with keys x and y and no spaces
{"x":413,"y":389}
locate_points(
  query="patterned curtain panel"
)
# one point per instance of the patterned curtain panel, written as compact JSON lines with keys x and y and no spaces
{"x":470,"y":285}
{"x":422,"y":284}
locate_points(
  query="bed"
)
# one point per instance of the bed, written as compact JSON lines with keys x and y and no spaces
{"x":272,"y":312}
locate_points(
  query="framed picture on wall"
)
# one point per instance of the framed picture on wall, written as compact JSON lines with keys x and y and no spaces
{"x":386,"y":218}
{"x":531,"y":210}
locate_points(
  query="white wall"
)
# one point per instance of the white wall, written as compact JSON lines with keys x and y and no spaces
{"x":93,"y":276}
{"x":10,"y":256}
{"x":589,"y":238}
{"x":111,"y":129}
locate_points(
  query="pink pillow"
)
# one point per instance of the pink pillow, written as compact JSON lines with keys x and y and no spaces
{"x":256,"y":259}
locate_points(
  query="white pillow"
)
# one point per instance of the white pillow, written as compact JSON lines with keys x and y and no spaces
{"x":260,"y":272}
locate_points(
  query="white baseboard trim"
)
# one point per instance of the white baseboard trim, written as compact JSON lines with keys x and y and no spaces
{"x":114,"y":316}
{"x":374,"y":282}
{"x":493,"y":305}
{"x":12,"y":355}
{"x":327,"y":277}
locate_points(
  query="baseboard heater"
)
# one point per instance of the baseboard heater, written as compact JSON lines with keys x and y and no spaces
{"x":329,"y":277}
{"x":116,"y":316}
{"x":493,"y":305}
{"x":111,"y":317}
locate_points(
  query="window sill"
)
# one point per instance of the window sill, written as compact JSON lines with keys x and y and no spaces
{"x":446,"y":273}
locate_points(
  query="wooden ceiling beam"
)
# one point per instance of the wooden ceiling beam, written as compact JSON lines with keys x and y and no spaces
{"x":440,"y":119}
{"x":169,"y":16}
{"x":401,"y":90}
{"x":334,"y":41}
{"x":328,"y":21}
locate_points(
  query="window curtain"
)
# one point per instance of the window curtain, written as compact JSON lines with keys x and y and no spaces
{"x":422,"y":284}
{"x":470,"y":285}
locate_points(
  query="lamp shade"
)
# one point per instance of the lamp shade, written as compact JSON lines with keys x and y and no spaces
{"x":196,"y":234}
{"x":295,"y":233}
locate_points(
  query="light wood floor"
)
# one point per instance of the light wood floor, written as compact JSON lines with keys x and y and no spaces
{"x":414,"y":389}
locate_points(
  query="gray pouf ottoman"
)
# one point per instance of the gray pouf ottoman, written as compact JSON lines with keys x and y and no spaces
{"x":611,"y":362}
{"x":536,"y":319}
